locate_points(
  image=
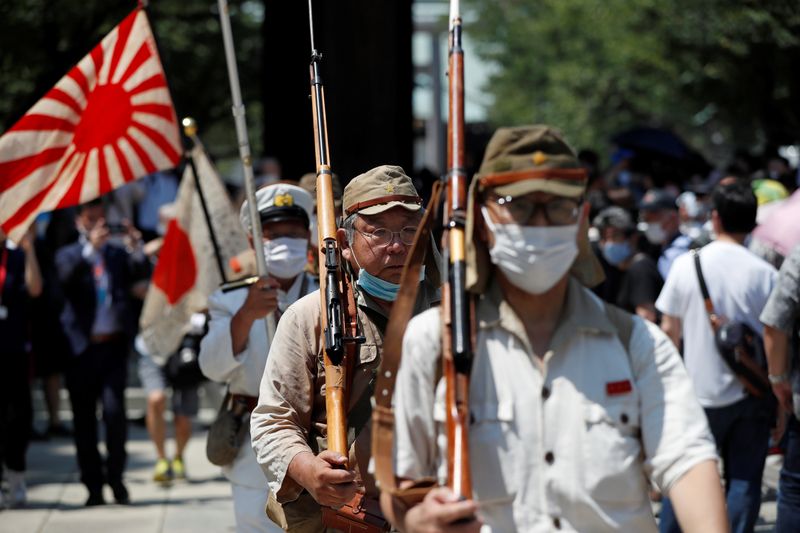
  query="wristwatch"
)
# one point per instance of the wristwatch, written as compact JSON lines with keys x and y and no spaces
{"x":780,"y":378}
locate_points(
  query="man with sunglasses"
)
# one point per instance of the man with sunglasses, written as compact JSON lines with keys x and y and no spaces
{"x":382,"y":211}
{"x":573,"y":403}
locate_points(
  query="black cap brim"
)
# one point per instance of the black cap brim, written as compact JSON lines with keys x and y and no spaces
{"x":284,"y":213}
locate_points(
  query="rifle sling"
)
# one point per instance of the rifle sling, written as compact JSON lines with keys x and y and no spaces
{"x":359,"y":414}
{"x":402,"y":311}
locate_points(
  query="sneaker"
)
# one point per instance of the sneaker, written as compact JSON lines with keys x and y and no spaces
{"x":178,"y":470}
{"x":162,"y":472}
{"x":17,"y":490}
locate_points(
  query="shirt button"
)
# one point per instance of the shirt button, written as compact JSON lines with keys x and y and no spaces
{"x":624,"y":418}
{"x":549,"y":458}
{"x":556,"y":522}
{"x":545,"y":393}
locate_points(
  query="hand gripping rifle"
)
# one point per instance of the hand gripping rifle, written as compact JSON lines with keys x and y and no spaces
{"x":338,"y":315}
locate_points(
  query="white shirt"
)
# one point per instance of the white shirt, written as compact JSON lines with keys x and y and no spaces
{"x":739,"y":283}
{"x":556,"y":440}
{"x":242,"y":372}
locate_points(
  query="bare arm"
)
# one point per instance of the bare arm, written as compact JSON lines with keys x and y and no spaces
{"x":647,"y":311}
{"x":776,"y":344}
{"x":672,"y":327}
{"x":698,"y":500}
{"x":33,"y":275}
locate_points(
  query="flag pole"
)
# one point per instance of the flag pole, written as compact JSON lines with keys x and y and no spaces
{"x":244,"y":151}
{"x":190,"y":130}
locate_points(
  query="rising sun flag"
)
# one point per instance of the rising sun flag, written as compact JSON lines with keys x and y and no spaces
{"x":108,"y":121}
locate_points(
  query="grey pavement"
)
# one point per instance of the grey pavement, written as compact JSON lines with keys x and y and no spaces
{"x":202,"y":503}
{"x":56,"y":497}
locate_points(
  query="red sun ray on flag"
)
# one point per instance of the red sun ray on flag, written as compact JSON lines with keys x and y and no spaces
{"x":108,"y":121}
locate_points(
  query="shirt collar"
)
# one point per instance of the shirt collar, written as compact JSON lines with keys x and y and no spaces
{"x":427,"y":296}
{"x":285,"y":299}
{"x":582,"y":311}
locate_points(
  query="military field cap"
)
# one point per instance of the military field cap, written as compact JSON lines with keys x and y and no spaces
{"x":526,"y":159}
{"x":279,"y":202}
{"x":658,"y":199}
{"x":309,"y":183}
{"x":380,"y":189}
{"x":519,"y":161}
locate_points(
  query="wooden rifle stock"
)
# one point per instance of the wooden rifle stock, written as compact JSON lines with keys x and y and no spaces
{"x":337,"y":306}
{"x":457,"y":337}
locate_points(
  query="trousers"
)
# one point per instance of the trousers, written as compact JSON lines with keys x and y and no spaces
{"x":741,"y":432}
{"x":16,"y":412}
{"x":99,"y":374}
{"x":249,"y":506}
{"x":789,"y":484}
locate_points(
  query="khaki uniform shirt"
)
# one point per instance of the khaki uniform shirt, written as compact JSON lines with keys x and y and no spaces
{"x":291,"y":417}
{"x":565,"y":441}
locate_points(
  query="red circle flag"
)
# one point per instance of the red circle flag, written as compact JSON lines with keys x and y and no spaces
{"x":108,"y":121}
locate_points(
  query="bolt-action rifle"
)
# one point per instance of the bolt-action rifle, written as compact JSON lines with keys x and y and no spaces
{"x":338,"y":312}
{"x":338,"y":317}
{"x":456,"y":304}
{"x":457,"y":311}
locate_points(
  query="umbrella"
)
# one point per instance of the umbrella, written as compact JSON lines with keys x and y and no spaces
{"x":781,"y":228}
{"x":653,"y":140}
{"x":664,"y":151}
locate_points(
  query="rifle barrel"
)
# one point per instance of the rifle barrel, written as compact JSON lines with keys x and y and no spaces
{"x":458,"y":336}
{"x":332,"y":283}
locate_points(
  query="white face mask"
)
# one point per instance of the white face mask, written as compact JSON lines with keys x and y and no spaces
{"x":655,"y":233}
{"x":533,"y":258}
{"x":286,"y":256}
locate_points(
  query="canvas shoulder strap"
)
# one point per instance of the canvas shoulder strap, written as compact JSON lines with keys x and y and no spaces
{"x":402,"y":311}
{"x":623,"y":322}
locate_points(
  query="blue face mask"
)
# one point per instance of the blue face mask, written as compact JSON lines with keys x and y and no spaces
{"x":379,"y":288}
{"x":616,"y":252}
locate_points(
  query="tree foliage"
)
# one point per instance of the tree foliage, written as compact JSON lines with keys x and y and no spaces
{"x":722,"y":73}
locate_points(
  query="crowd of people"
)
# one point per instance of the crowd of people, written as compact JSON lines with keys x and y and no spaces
{"x":601,"y":376}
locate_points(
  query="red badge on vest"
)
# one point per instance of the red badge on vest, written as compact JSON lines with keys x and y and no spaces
{"x":615,"y":388}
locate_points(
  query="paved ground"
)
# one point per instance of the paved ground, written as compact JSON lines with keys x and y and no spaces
{"x":202,"y":503}
{"x":56,"y":497}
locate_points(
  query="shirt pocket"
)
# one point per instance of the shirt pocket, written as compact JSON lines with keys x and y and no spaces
{"x":612,"y":451}
{"x":494,"y":448}
{"x":367,"y":354}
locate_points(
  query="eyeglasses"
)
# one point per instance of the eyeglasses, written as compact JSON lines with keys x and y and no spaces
{"x":558,"y":211}
{"x":384,"y":237}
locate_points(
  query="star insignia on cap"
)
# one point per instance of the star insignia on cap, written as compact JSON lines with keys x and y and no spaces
{"x":284,"y":200}
{"x":539,"y":157}
{"x":389,"y":188}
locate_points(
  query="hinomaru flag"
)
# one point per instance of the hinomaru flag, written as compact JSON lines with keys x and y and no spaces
{"x":108,"y":121}
{"x":187,"y":271}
